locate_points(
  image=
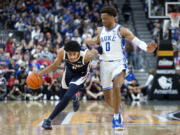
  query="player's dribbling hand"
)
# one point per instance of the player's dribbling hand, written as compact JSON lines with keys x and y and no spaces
{"x":151,"y":47}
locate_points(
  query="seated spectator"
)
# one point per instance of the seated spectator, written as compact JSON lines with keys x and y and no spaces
{"x":46,"y":54}
{"x":93,"y":87}
{"x":9,"y":46}
{"x":134,"y":90}
{"x":22,"y":78}
{"x":147,"y":86}
{"x":15,"y":93}
{"x":34,"y":95}
{"x":130,"y":76}
{"x":177,"y":61}
{"x":10,"y":82}
{"x":47,"y":87}
{"x":3,"y":88}
{"x":56,"y":89}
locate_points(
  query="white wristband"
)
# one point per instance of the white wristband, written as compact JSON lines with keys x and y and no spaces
{"x":141,"y":44}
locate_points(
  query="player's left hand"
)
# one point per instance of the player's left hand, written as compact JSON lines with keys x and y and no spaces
{"x":151,"y":47}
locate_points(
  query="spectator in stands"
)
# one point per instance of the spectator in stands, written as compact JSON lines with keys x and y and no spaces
{"x":46,"y":54}
{"x":77,"y":37}
{"x":58,"y":40}
{"x":22,"y":78}
{"x":86,"y":35}
{"x":46,"y":24}
{"x":51,"y":89}
{"x":93,"y":88}
{"x":126,"y":11}
{"x":10,"y":82}
{"x":3,"y":87}
{"x":35,"y":34}
{"x":47,"y":87}
{"x":5,"y":60}
{"x":134,"y":90}
{"x":35,"y":95}
{"x":2,"y":46}
{"x":16,"y":93}
{"x":136,"y":56}
{"x":20,"y":26}
{"x":156,"y":31}
{"x":177,"y":62}
{"x":147,"y":86}
{"x":131,"y":76}
{"x":9,"y":48}
{"x":56,"y":89}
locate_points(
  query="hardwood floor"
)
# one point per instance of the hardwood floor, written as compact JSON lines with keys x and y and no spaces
{"x":93,"y":118}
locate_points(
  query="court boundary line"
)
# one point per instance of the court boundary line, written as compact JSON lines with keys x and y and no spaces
{"x":67,"y":118}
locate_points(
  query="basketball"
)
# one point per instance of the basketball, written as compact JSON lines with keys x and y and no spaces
{"x":34,"y":81}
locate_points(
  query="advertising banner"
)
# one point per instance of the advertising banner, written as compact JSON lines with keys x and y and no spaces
{"x":165,"y":84}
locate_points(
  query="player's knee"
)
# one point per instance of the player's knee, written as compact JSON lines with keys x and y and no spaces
{"x":68,"y":97}
{"x":116,"y":86}
{"x":107,"y":98}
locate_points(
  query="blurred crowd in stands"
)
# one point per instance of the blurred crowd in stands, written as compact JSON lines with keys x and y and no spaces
{"x":160,"y":29}
{"x":45,"y":26}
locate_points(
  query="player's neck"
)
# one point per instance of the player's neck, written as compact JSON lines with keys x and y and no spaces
{"x":111,"y":26}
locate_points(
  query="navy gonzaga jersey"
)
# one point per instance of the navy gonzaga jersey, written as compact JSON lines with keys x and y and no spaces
{"x":78,"y":67}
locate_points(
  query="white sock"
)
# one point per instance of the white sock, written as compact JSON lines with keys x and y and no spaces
{"x":116,"y":116}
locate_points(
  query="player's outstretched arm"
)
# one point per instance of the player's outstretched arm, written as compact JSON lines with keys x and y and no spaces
{"x":55,"y":64}
{"x":151,"y":47}
{"x":92,"y":41}
{"x":90,"y":55}
{"x":95,"y":40}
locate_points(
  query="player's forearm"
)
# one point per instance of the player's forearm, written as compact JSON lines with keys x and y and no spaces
{"x":93,"y":55}
{"x":48,"y":69}
{"x":94,"y":52}
{"x":90,"y":42}
{"x":141,"y":44}
{"x":90,"y":55}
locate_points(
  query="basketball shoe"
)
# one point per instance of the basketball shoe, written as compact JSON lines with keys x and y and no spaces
{"x":47,"y":124}
{"x":117,"y":123}
{"x":76,"y":103}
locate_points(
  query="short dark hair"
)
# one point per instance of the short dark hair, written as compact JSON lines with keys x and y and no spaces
{"x":109,"y":10}
{"x":72,"y":46}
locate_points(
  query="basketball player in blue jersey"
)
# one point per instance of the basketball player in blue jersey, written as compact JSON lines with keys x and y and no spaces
{"x":113,"y":66}
{"x":75,"y":74}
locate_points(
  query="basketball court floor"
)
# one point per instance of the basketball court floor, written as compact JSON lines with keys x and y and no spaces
{"x":93,"y":118}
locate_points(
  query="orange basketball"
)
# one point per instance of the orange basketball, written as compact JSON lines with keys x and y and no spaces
{"x":34,"y":81}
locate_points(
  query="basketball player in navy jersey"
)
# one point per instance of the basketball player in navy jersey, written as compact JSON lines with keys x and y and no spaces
{"x":75,"y":74}
{"x":113,"y":66}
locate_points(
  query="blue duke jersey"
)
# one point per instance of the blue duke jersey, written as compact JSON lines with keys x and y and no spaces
{"x":78,"y":67}
{"x":113,"y":44}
